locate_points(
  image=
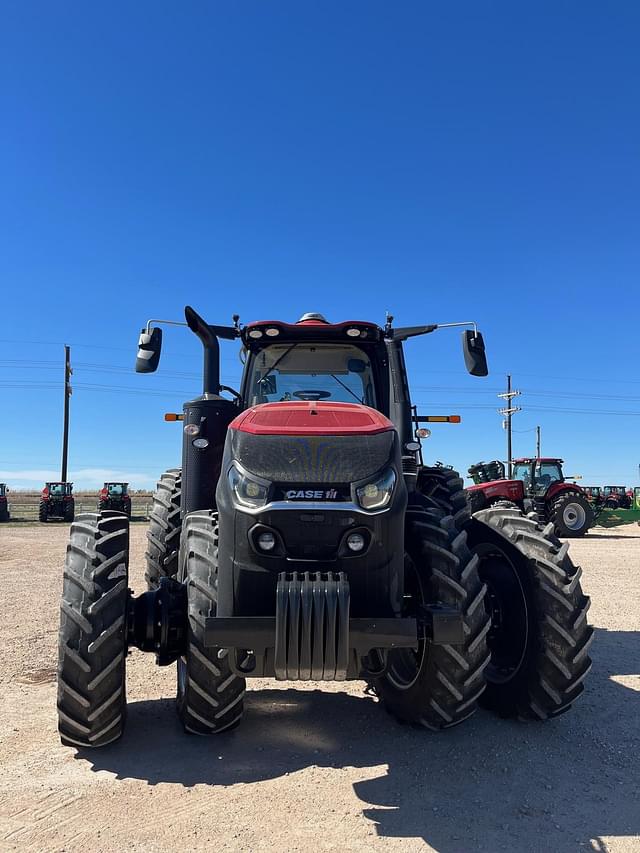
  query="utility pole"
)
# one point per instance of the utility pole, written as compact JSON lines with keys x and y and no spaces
{"x":508,"y":411}
{"x":537,"y":442}
{"x":67,"y":393}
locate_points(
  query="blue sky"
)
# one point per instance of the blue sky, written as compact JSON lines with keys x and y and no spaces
{"x":442,"y":161}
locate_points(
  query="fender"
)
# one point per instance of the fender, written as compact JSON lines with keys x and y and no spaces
{"x":559,"y":488}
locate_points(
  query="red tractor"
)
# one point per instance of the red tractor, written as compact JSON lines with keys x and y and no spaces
{"x":595,"y":495}
{"x":617,"y":497}
{"x":314,"y":544}
{"x":115,"y":496}
{"x":4,"y":504}
{"x":537,"y":485}
{"x":57,"y":501}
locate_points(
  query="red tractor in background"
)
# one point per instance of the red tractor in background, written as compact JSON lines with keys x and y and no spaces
{"x":115,"y":496}
{"x":617,"y":497}
{"x":57,"y":501}
{"x":4,"y":505}
{"x":537,"y":485}
{"x":595,"y":495}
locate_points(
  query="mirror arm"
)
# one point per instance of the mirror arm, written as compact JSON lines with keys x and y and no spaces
{"x":454,"y":325}
{"x":405,"y":332}
{"x":163,"y":322}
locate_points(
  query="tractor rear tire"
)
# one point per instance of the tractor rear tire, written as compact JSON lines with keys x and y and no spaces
{"x":539,"y":638}
{"x":43,"y":513}
{"x":165,"y":524}
{"x":92,"y":640}
{"x":439,"y":686}
{"x":4,"y":515}
{"x":210,"y":695}
{"x":572,"y":515}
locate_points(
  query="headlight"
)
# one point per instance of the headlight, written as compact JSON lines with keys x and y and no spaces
{"x":377,"y":494}
{"x":246,"y":490}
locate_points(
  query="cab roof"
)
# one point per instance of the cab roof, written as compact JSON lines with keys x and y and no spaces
{"x":310,"y":327}
{"x":527,"y":460}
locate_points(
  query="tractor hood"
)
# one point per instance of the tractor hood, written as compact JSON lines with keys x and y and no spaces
{"x":311,"y":418}
{"x":311,"y":442}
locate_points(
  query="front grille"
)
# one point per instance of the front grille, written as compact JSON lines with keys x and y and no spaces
{"x":312,"y":459}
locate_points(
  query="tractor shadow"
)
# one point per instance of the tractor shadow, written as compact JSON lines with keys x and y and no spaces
{"x":490,"y":783}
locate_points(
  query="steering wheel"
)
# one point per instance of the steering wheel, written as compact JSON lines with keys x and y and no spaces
{"x":312,"y":395}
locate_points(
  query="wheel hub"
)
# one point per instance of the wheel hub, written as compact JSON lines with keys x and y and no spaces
{"x":574,"y":516}
{"x":157,"y":621}
{"x":506,"y":605}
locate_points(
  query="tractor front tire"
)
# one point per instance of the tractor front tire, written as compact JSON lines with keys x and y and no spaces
{"x":439,"y":685}
{"x":69,"y":513}
{"x":165,"y":524}
{"x":210,"y":695}
{"x":539,"y":639}
{"x":572,"y":515}
{"x":43,"y":514}
{"x":92,"y":639}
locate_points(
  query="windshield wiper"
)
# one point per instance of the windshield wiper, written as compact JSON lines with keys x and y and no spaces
{"x":346,"y":387}
{"x":277,"y":362}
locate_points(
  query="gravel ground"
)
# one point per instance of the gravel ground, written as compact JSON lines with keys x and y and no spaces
{"x":328,"y":770}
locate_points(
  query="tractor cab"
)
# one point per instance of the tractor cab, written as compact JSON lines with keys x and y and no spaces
{"x":58,"y":490}
{"x":3,"y":490}
{"x":614,"y":490}
{"x":538,"y":475}
{"x":312,"y":361}
{"x":115,"y":490}
{"x":594,"y":493}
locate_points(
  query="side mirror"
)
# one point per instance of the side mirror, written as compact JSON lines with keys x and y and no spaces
{"x":149,"y":347}
{"x":475,"y":357}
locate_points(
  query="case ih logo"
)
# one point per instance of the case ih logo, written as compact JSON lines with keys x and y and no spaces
{"x":311,"y":494}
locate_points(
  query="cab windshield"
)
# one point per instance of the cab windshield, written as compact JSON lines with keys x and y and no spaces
{"x":522,"y":471}
{"x":288,"y":372}
{"x":59,"y":489}
{"x":117,"y":489}
{"x":547,"y":473}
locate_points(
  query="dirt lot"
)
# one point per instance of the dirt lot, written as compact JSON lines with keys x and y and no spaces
{"x":325,"y":770}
